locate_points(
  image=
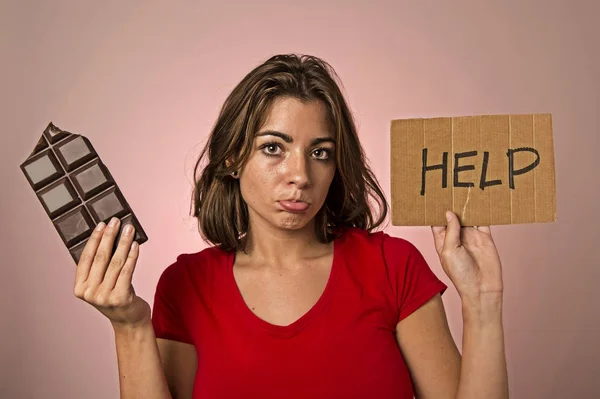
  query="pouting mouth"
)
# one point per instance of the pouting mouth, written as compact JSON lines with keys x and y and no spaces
{"x":295,"y":206}
{"x":295,"y":200}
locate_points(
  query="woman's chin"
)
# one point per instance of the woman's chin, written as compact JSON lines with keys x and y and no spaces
{"x":294,"y":222}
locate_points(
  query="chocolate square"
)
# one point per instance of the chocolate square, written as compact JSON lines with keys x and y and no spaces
{"x":42,"y":169}
{"x":58,"y":197}
{"x":91,"y":179}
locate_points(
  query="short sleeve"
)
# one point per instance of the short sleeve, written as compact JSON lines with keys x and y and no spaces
{"x":413,"y":281}
{"x":168,"y":317}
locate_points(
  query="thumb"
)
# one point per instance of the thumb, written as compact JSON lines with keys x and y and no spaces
{"x":452,"y":239}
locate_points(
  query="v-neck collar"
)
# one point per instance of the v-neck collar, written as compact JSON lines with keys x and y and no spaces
{"x":251,"y":319}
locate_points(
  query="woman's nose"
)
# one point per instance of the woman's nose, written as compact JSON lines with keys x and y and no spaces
{"x":298,"y":172}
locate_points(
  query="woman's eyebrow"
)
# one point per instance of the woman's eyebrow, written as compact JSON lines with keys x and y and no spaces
{"x":320,"y":140}
{"x":288,"y":139}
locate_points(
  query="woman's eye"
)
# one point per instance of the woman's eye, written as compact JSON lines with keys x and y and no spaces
{"x":321,"y":153}
{"x":270,"y":149}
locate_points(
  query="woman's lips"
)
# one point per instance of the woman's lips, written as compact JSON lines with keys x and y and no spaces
{"x":294,"y":206}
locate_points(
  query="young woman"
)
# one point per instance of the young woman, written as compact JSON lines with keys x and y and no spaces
{"x":298,"y":297}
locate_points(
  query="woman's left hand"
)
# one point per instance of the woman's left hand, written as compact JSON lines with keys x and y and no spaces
{"x":469,"y":257}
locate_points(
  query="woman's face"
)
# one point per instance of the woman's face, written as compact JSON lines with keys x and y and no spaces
{"x":292,"y":163}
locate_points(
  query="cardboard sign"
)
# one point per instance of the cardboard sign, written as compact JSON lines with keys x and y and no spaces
{"x":488,"y":169}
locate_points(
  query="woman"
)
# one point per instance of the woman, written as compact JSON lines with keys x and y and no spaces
{"x":298,"y":298}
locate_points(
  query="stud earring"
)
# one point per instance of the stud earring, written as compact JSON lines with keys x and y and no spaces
{"x":234,"y":173}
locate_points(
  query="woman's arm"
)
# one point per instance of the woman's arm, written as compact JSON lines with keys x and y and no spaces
{"x":435,"y":365}
{"x":483,"y":369}
{"x":469,"y":257}
{"x":103,"y":280}
{"x":429,"y":351}
{"x":141,"y":373}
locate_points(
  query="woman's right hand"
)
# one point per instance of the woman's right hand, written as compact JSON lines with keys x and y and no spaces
{"x":104,"y":281}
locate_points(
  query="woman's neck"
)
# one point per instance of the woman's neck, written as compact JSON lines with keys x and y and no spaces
{"x":269,"y":245}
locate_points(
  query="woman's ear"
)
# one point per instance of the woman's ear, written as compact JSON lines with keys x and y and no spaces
{"x":235,"y":173}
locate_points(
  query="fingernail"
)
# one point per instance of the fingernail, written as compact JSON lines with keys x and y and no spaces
{"x":448,"y":216}
{"x":127,"y":230}
{"x":100,"y":226}
{"x":113,"y":222}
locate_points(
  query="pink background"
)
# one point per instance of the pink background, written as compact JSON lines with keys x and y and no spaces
{"x":145,"y":81}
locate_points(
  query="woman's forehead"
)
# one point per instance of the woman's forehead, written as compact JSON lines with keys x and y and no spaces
{"x":294,"y":117}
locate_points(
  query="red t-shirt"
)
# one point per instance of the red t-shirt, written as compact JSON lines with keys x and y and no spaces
{"x":343,"y":347}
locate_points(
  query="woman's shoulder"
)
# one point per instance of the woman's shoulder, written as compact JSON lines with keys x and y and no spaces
{"x":195,"y":263}
{"x":362,"y":246}
{"x":354,"y":237}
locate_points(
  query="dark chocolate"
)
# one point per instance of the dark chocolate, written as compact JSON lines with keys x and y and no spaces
{"x":76,"y":189}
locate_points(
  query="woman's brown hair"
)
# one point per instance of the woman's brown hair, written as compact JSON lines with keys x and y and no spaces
{"x":217,"y":202}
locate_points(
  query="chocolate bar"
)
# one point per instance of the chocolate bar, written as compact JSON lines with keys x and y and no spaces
{"x":76,"y":189}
